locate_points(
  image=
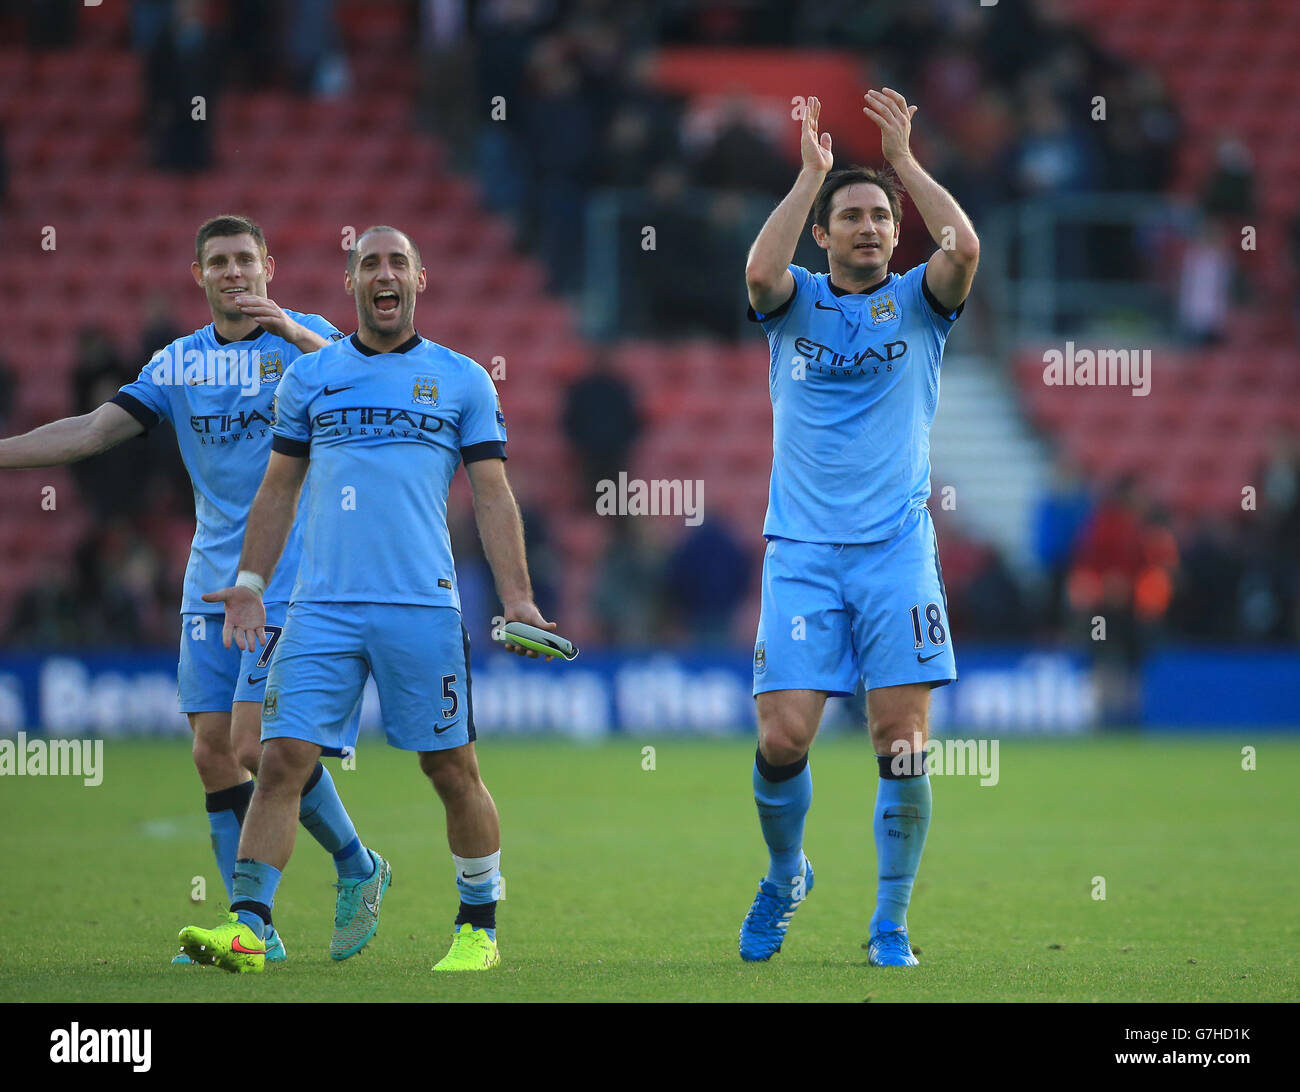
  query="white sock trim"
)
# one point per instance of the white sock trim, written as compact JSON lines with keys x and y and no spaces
{"x":476,"y":870}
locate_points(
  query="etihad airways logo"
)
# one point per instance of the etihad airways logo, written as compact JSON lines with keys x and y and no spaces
{"x":375,"y":421}
{"x":814,"y":356}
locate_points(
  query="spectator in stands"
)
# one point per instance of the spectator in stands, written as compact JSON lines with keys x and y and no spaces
{"x":629,"y":584}
{"x":740,"y":156}
{"x":314,"y":48}
{"x":448,"y":81}
{"x":994,"y":605}
{"x":506,"y":30}
{"x":643,"y":131}
{"x":678,"y":277}
{"x":111,"y":482}
{"x":98,"y":365}
{"x":184,"y":65}
{"x":1059,"y":517}
{"x":706,"y":580}
{"x":602,"y":421}
{"x":1120,"y":587}
{"x":1230,"y":189}
{"x":559,"y":129}
{"x":1205,"y":285}
{"x":47,"y":613}
{"x":1211,"y":567}
{"x":1052,"y":155}
{"x":159,"y":328}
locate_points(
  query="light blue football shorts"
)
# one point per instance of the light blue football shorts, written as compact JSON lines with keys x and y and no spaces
{"x":835,"y":613}
{"x":419,"y":656}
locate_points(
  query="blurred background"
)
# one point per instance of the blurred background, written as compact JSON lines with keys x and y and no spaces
{"x":584,"y":179}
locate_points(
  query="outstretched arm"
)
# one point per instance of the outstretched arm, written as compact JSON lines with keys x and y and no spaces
{"x":269,"y":522}
{"x":502,"y":532}
{"x":70,"y":440}
{"x":767,"y":275}
{"x":951,"y":268}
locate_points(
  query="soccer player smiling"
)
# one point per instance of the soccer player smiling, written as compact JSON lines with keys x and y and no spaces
{"x":384,"y":417}
{"x":851,"y":581}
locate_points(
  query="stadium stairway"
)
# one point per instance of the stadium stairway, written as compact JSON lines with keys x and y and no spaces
{"x":982,"y":445}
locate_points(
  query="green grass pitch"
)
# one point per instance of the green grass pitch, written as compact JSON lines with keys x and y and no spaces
{"x":626,"y":884}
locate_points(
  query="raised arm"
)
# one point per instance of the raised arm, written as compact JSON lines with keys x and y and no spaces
{"x":767,"y":275}
{"x":951,"y":268}
{"x":70,"y":440}
{"x":269,"y":522}
{"x":502,"y":532}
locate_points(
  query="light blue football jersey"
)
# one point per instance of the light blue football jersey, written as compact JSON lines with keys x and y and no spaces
{"x":218,"y":395}
{"x":385,"y":433}
{"x":854,"y":379}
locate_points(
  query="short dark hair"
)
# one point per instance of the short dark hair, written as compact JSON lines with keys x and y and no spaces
{"x":352,"y":250}
{"x":886,"y":179}
{"x":228,"y":224}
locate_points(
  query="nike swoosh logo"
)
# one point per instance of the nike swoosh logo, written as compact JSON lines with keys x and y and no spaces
{"x":471,"y":875}
{"x":926,"y":659}
{"x":439,"y":731}
{"x":253,"y":682}
{"x":818,"y":305}
{"x":371,"y":906}
{"x":336,"y":390}
{"x":235,"y":946}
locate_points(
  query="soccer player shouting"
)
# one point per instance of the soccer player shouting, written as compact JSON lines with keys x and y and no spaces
{"x":851,"y":580}
{"x":216,"y":386}
{"x":383,"y":418}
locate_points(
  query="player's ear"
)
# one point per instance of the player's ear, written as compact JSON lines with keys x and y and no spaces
{"x":820,"y":237}
{"x":269,"y":262}
{"x":422,"y":279}
{"x":347,"y":283}
{"x":197,"y":271}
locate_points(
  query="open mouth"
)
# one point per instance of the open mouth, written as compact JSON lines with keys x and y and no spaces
{"x":386,"y":301}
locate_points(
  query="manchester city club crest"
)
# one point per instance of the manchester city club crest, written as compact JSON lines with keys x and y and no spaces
{"x":883,"y":311}
{"x":760,"y":657}
{"x":425,"y":392}
{"x":271,"y":703}
{"x":270,"y":366}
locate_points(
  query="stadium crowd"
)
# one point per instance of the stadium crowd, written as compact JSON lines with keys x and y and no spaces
{"x":1003,"y":92}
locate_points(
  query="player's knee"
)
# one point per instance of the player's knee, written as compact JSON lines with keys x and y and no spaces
{"x":212,"y":759}
{"x":283,"y":768}
{"x":450,"y":778}
{"x":906,"y":729}
{"x":783,"y":740}
{"x":249,"y":754}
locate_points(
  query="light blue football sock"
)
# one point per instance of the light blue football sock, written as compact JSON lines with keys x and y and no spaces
{"x":254,"y":893}
{"x":226,"y":809}
{"x":900,"y":824}
{"x":325,"y":818}
{"x":783,"y":795}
